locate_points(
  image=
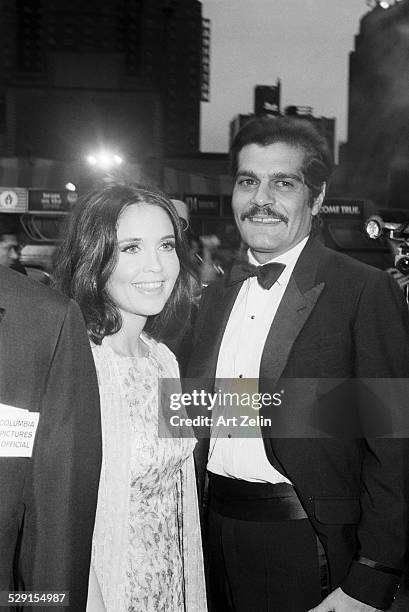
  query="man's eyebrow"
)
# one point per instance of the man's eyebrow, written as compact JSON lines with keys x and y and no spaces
{"x":244,"y":172}
{"x":290,"y":175}
{"x":272,"y":175}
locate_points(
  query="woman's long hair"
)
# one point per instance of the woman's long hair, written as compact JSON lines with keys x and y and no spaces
{"x":88,"y":255}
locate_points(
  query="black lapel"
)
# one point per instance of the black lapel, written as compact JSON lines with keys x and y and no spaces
{"x":201,"y":371}
{"x":296,"y":306}
{"x":219,"y":304}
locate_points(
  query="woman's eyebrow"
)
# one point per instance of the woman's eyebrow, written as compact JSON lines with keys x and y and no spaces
{"x":135,"y":239}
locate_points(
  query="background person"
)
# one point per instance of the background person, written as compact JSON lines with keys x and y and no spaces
{"x":10,"y":247}
{"x":124,"y":259}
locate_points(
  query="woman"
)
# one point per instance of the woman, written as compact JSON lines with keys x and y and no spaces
{"x":124,"y":259}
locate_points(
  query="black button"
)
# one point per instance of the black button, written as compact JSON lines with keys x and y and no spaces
{"x":252,"y":317}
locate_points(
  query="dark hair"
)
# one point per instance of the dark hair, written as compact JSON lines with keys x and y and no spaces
{"x":294,"y":132}
{"x":88,"y":254}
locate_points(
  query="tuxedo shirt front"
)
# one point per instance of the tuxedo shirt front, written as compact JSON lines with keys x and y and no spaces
{"x":239,"y":357}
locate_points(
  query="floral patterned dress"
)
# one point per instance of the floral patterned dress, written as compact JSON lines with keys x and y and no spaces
{"x":150,"y":575}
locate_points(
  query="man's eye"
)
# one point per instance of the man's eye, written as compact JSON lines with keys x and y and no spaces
{"x":246,"y":182}
{"x":168,"y":245}
{"x":284,"y":184}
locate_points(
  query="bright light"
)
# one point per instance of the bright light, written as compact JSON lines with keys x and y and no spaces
{"x":104,"y":159}
{"x":70,"y":187}
{"x":385,"y":4}
{"x":373,"y":229}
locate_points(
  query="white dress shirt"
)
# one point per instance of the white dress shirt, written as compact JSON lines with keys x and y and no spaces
{"x":239,"y":357}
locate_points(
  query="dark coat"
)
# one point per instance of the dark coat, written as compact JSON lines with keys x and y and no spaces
{"x":48,"y":501}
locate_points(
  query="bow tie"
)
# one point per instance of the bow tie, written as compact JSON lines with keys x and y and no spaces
{"x":266,"y":275}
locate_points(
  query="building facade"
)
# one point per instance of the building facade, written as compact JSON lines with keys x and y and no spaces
{"x":128,"y":74}
{"x":375,"y":163}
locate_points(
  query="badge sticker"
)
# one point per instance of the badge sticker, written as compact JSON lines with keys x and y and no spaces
{"x":18,"y":428}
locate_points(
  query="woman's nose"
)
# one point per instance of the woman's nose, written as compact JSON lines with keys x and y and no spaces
{"x":153,"y":261}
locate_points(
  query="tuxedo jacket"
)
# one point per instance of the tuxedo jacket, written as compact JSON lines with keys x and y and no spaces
{"x":339,"y":320}
{"x":48,"y":500}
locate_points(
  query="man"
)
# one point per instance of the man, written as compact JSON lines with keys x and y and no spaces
{"x":300,"y":523}
{"x":10,"y":249}
{"x":50,"y":448}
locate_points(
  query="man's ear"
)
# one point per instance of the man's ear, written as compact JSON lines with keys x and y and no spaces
{"x":317,"y":202}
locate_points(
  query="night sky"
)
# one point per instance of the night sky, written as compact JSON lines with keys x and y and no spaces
{"x":303,"y":42}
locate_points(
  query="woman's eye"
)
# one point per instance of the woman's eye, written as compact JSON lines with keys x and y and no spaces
{"x":169,"y":245}
{"x":131,"y":249}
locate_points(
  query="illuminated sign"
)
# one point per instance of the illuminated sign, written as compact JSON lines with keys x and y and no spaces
{"x":203,"y":204}
{"x":13,"y":200}
{"x":343,"y":207}
{"x":51,"y":202}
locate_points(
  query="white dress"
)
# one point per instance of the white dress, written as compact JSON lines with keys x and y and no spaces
{"x":146,"y":544}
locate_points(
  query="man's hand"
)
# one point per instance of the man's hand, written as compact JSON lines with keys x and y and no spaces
{"x":338,"y":601}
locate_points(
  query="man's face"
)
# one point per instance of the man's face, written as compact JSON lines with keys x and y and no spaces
{"x":9,"y":250}
{"x":272,"y":205}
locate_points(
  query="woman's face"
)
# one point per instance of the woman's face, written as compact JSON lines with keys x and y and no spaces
{"x":147,"y":266}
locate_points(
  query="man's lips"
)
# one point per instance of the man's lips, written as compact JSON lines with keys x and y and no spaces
{"x":267,"y":217}
{"x":265,"y":220}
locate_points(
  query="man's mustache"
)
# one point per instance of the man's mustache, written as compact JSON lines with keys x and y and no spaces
{"x":264,"y":211}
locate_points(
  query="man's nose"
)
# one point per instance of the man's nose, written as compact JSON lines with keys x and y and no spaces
{"x":263,"y":195}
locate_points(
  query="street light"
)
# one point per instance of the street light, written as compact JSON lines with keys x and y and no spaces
{"x":104,"y":160}
{"x":385,"y":4}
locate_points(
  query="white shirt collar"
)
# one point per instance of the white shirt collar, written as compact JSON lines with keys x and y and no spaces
{"x":289,"y":258}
